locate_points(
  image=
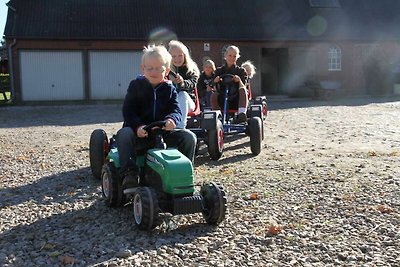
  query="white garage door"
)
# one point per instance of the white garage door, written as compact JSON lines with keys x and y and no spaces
{"x":111,"y":73}
{"x":51,"y":75}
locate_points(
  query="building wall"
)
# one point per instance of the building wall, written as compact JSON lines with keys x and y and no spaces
{"x":366,"y":67}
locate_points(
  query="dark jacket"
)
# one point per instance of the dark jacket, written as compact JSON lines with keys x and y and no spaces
{"x":204,"y":80}
{"x":234,"y":70}
{"x":144,"y":104}
{"x":189,"y":80}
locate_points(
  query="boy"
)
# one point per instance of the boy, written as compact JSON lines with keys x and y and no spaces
{"x":237,"y":98}
{"x":150,"y":98}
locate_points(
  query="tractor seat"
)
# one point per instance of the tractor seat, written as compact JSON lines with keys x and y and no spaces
{"x":196,"y":110}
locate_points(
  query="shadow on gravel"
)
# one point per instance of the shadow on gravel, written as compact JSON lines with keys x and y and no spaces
{"x":58,"y":188}
{"x":64,"y":215}
{"x":275,"y":104}
{"x":63,"y":115}
{"x":243,"y":151}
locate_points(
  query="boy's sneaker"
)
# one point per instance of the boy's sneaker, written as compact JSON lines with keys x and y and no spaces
{"x":240,"y":118}
{"x":130,"y":181}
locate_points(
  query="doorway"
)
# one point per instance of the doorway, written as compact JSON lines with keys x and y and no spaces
{"x":274,"y":70}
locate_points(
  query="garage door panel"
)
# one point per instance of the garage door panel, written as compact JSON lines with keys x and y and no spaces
{"x":51,"y":75}
{"x":111,"y":73}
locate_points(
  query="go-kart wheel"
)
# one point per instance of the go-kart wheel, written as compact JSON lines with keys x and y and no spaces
{"x":255,"y":132}
{"x":111,"y":186}
{"x":98,"y":149}
{"x":216,"y":141}
{"x":145,"y":208}
{"x":215,"y":203}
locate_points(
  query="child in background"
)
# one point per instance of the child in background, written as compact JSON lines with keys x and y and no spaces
{"x":205,"y":83}
{"x":251,"y":71}
{"x":238,"y":97}
{"x":185,"y":80}
{"x":150,"y":98}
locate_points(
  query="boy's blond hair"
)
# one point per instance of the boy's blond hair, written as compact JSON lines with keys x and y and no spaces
{"x":190,"y":64}
{"x":251,"y":66}
{"x":210,"y":63}
{"x":232,"y":47}
{"x":158,"y":51}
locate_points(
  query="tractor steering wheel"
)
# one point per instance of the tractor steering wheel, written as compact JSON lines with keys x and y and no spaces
{"x":155,"y":129}
{"x":155,"y":124}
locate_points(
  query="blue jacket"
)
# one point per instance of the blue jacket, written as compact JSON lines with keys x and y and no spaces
{"x":144,"y":104}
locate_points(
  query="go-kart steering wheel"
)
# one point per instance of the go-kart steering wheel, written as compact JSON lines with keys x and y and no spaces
{"x":227,"y":79}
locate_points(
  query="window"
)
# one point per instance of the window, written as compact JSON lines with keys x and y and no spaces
{"x":324,"y":3}
{"x":334,"y":58}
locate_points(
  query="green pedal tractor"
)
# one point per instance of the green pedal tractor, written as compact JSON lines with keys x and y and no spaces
{"x":166,"y":181}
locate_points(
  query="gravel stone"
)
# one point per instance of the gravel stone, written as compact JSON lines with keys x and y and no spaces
{"x":327,"y":178}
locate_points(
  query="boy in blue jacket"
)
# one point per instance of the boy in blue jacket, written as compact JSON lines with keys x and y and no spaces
{"x":150,"y":98}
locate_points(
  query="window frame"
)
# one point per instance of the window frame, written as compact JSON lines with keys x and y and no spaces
{"x":334,"y":58}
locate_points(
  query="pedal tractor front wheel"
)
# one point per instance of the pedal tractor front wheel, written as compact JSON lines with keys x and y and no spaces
{"x":98,"y":149}
{"x":145,"y":208}
{"x":111,"y":186}
{"x":215,"y":203}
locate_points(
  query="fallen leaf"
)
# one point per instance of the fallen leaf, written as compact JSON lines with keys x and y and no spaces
{"x":274,"y":229}
{"x":54,"y":254}
{"x":384,"y":209}
{"x":21,"y":158}
{"x":253,"y":196}
{"x":66,"y":260}
{"x":48,"y":246}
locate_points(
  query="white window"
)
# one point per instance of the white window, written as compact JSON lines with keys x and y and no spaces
{"x":334,"y":58}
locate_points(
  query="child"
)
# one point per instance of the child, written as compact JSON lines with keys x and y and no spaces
{"x":237,"y":98}
{"x":150,"y":98}
{"x":186,"y":79}
{"x":250,"y":71}
{"x":205,"y":83}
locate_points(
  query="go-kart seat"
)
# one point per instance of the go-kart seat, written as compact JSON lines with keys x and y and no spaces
{"x":196,"y":110}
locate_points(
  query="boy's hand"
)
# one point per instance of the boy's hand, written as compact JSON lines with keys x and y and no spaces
{"x":236,"y":79}
{"x":217,"y":79}
{"x":141,"y":133}
{"x":209,"y":88}
{"x":169,"y":125}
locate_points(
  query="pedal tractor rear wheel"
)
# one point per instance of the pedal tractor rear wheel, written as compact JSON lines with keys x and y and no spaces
{"x":111,"y":186}
{"x":255,"y":132}
{"x":215,"y":203}
{"x":216,"y":141}
{"x":98,"y":149}
{"x":145,"y":208}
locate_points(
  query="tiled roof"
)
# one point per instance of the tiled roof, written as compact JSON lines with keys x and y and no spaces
{"x":255,"y":20}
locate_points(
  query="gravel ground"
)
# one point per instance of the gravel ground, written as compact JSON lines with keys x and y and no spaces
{"x":325,"y":191}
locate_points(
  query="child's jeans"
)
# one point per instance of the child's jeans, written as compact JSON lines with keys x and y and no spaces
{"x":186,"y":105}
{"x":127,"y":143}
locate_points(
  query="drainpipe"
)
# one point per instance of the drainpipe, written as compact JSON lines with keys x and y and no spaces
{"x":10,"y":55}
{"x":11,"y":66}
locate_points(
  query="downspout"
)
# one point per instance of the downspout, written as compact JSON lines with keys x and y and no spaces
{"x":10,"y":55}
{"x":11,"y":66}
